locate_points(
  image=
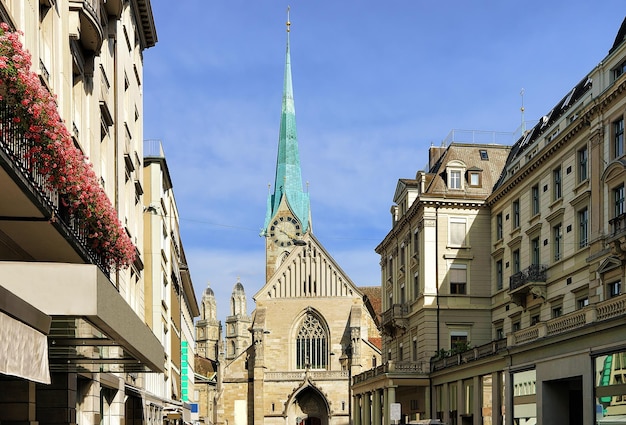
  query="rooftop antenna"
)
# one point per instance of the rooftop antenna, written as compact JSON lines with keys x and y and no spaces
{"x":288,"y":23}
{"x":521,"y":93}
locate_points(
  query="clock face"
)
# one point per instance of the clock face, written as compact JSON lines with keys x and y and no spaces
{"x":284,"y":231}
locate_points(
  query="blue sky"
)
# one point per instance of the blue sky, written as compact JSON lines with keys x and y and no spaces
{"x":375,"y":83}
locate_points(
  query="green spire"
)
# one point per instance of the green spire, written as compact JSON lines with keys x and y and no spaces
{"x":288,"y":181}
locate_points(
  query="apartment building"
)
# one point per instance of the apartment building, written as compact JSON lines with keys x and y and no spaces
{"x":76,"y":348}
{"x":435,"y":288}
{"x":171,"y":304}
{"x":550,"y":346}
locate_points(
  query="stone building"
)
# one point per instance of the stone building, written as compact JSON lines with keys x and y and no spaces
{"x":78,"y":293}
{"x":312,"y":328}
{"x":542,"y":339}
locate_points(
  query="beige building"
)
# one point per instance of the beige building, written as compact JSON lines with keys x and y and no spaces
{"x":312,"y":328}
{"x":171,"y":304}
{"x":72,"y":230}
{"x":436,"y":278}
{"x":543,"y":340}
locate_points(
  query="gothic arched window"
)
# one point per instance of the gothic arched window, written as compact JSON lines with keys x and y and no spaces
{"x":311,"y":344}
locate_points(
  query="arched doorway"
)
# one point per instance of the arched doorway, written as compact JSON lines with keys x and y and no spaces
{"x":309,"y":407}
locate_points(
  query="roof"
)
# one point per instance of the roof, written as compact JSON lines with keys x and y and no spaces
{"x":288,"y":181}
{"x":471,"y":156}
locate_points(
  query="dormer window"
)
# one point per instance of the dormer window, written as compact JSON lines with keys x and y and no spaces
{"x":455,"y":171}
{"x":474,"y":177}
{"x":455,"y":179}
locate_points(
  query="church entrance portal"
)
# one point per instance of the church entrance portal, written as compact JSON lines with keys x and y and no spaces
{"x":309,"y":408}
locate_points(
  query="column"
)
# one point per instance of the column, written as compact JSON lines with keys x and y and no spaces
{"x":389,"y":400}
{"x":367,"y":409}
{"x":356,"y":410}
{"x":376,"y":409}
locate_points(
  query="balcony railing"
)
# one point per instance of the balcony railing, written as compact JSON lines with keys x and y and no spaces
{"x":15,"y":146}
{"x":485,"y":350}
{"x":618,"y":225}
{"x":318,"y":375}
{"x":395,"y":318}
{"x":534,"y":273}
{"x":605,"y":310}
{"x":401,"y":368}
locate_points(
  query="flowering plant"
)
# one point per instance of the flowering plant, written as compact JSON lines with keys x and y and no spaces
{"x":53,"y":154}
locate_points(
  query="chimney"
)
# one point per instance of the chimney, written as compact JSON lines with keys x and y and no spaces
{"x":434,"y":154}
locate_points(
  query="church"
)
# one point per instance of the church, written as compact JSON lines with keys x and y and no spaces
{"x":291,"y":361}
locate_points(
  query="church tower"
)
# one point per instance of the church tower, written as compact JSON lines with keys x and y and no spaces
{"x":288,"y":215}
{"x":238,"y":323}
{"x":208,"y":328}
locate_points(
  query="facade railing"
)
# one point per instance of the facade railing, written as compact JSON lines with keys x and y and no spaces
{"x":618,"y":225}
{"x":403,"y":367}
{"x":16,"y":147}
{"x":319,"y":375}
{"x":485,"y":350}
{"x":396,"y":311}
{"x":593,"y":313}
{"x":533,"y":273}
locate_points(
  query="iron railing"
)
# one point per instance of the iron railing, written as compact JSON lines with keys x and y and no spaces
{"x":533,"y":273}
{"x":16,"y":147}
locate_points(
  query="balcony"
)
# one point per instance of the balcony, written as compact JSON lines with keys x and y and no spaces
{"x":530,"y":281}
{"x":617,"y":237}
{"x":90,"y":31}
{"x":397,"y":369}
{"x":34,"y":223}
{"x":606,"y":310}
{"x":395,"y":319}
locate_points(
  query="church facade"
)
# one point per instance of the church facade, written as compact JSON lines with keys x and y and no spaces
{"x":291,"y":361}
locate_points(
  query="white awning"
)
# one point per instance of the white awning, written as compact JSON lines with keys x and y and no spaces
{"x":23,"y":351}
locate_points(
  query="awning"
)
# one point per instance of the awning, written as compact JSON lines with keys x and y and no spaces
{"x":93,"y":328}
{"x":23,"y":340}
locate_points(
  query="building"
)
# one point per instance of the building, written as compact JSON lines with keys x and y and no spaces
{"x":73,"y":277}
{"x":435,"y":288}
{"x":545,"y":341}
{"x":171,"y":304}
{"x":312,"y":328}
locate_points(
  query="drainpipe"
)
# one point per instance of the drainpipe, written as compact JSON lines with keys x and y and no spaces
{"x":437,"y":273}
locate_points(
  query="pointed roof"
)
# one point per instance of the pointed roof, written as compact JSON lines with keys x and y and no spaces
{"x":288,"y":182}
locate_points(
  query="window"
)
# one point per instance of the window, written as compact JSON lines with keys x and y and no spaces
{"x":311,"y":344}
{"x":458,"y":279}
{"x":454,"y":181}
{"x":618,"y":138}
{"x":621,"y":68}
{"x":499,"y":226}
{"x":535,"y":199}
{"x":618,"y":200}
{"x":499,"y":333}
{"x":457,"y":232}
{"x":535,"y":251}
{"x":516,"y":326}
{"x":416,"y":285}
{"x":458,"y":339}
{"x":414,"y":349}
{"x":416,"y":242}
{"x":515,"y":260}
{"x":582,"y":302}
{"x":516,"y":218}
{"x":557,"y":239}
{"x":474,"y":178}
{"x":557,"y":311}
{"x":614,"y":288}
{"x":582,"y":164}
{"x":484,"y":155}
{"x":583,"y":227}
{"x":400,"y":352}
{"x":499,"y":275}
{"x":534,"y":318}
{"x":556,"y":181}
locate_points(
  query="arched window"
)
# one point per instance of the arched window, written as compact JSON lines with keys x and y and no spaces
{"x":311,"y":344}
